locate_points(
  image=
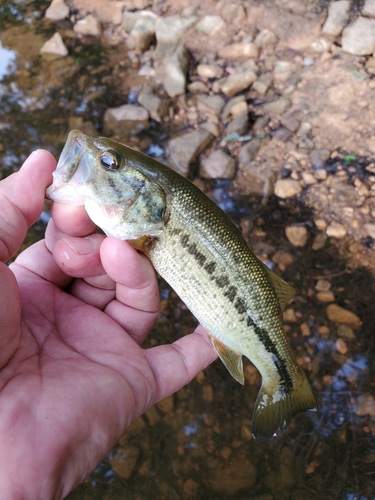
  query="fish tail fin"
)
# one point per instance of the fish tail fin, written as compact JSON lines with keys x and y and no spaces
{"x":274,"y":409}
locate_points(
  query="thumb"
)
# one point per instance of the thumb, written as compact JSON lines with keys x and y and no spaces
{"x":21,"y":200}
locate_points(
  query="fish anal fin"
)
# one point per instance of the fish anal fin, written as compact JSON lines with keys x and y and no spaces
{"x":283,"y":290}
{"x":275,"y":408}
{"x":232,"y":359}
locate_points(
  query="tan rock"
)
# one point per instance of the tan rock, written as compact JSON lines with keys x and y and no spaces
{"x":340,"y":315}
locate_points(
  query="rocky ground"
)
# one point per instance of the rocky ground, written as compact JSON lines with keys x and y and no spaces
{"x":270,"y":108}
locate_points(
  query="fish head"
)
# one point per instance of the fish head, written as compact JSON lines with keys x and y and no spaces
{"x":107,"y":178}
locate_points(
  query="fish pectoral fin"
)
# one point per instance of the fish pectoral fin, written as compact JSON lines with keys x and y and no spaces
{"x":232,"y":359}
{"x":283,"y":290}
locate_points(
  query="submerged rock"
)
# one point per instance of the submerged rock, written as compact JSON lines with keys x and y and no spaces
{"x":182,"y":150}
{"x":54,"y":48}
{"x":340,"y":315}
{"x":218,"y":165}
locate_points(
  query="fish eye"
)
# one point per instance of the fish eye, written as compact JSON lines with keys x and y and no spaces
{"x":110,"y":160}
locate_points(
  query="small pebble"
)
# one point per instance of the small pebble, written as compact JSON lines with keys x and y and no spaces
{"x":327,"y":296}
{"x":336,"y":230}
{"x":297,"y":235}
{"x":340,"y":315}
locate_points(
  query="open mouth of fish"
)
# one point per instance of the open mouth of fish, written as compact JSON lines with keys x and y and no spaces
{"x":69,"y":180}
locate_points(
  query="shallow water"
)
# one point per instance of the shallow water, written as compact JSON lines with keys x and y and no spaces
{"x":197,"y":443}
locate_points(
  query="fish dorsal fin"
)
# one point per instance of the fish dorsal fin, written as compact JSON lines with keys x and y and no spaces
{"x":232,"y":359}
{"x":283,"y":290}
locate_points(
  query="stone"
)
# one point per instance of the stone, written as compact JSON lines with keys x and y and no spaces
{"x":142,"y":34}
{"x":340,"y":315}
{"x":282,"y":259}
{"x":166,"y":405}
{"x":364,"y":405}
{"x":233,"y":13}
{"x":282,"y":134}
{"x":234,"y":107}
{"x":338,"y":15}
{"x":370,"y":230}
{"x":88,"y":26}
{"x":233,"y":84}
{"x":129,"y":19}
{"x":218,"y":165}
{"x":124,"y":460}
{"x":322,"y":285}
{"x":341,"y":346}
{"x":157,"y":107}
{"x":262,"y":84}
{"x":277,"y":107}
{"x":308,"y":178}
{"x":210,"y":71}
{"x":191,"y":490}
{"x":174,"y":74}
{"x":212,"y":128}
{"x":238,"y":51}
{"x":346,"y":331}
{"x":209,"y":25}
{"x":297,"y":235}
{"x":169,"y":32}
{"x":197,"y":87}
{"x":283,"y":70}
{"x":239,"y":124}
{"x":370,"y":65}
{"x":320,"y":174}
{"x":321,"y":45}
{"x":248,"y":152}
{"x":358,"y":37}
{"x":54,"y":48}
{"x":290,"y":122}
{"x":57,"y":11}
{"x":266,"y":38}
{"x":182,"y":150}
{"x":129,"y":119}
{"x":326,"y":296}
{"x":336,"y":230}
{"x":319,"y":157}
{"x":286,"y":188}
{"x":234,"y":476}
{"x":369,"y":8}
{"x":211,"y":103}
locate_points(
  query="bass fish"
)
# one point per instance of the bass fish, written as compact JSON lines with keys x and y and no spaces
{"x":198,"y":250}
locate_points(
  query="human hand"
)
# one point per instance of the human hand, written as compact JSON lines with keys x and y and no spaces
{"x":74,"y":310}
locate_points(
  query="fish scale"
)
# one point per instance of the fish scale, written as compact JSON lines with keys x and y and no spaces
{"x":198,"y":250}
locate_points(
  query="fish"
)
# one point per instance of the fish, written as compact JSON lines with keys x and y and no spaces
{"x":200,"y":252}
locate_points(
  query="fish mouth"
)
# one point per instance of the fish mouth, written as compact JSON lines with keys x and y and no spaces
{"x":72,"y":171}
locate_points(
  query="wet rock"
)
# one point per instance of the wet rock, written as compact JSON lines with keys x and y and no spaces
{"x":191,"y":490}
{"x":142,"y":34}
{"x":248,"y":152}
{"x":286,"y":188}
{"x":155,"y":105}
{"x":283,"y":70}
{"x":166,"y":405}
{"x":369,"y":8}
{"x":338,"y":15}
{"x":297,"y":235}
{"x":233,"y":84}
{"x":88,"y":26}
{"x":218,"y":165}
{"x":210,"y":71}
{"x":277,"y":107}
{"x":336,"y":230}
{"x":234,"y":476}
{"x":319,"y":157}
{"x":365,"y":405}
{"x":239,"y":124}
{"x":305,"y":330}
{"x":129,"y":119}
{"x":213,"y":104}
{"x":340,"y":346}
{"x":209,"y":25}
{"x":359,"y":37}
{"x":235,"y":106}
{"x":340,"y":315}
{"x":57,"y":11}
{"x":346,"y":331}
{"x":290,"y":316}
{"x":266,"y":38}
{"x":233,"y":13}
{"x":174,"y":74}
{"x":322,"y":285}
{"x":238,"y":51}
{"x":124,"y":460}
{"x":197,"y":87}
{"x":326,"y":296}
{"x":282,"y":259}
{"x":54,"y":48}
{"x":370,"y":230}
{"x":182,"y":150}
{"x":169,"y":32}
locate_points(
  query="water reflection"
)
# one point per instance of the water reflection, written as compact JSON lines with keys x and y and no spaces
{"x":7,"y":61}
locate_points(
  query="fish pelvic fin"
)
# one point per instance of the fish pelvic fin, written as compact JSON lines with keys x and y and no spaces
{"x":275,"y":408}
{"x":283,"y":290}
{"x":232,"y":359}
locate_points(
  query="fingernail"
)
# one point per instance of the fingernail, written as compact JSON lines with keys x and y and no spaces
{"x":31,"y":157}
{"x":82,"y":246}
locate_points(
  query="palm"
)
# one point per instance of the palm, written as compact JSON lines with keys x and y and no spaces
{"x":73,"y":374}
